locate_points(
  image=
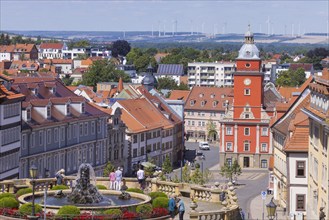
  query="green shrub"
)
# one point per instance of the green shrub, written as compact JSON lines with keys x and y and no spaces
{"x":144,"y":210}
{"x":9,"y":202}
{"x":135,"y":190}
{"x":60,"y":187}
{"x":160,"y":202}
{"x":26,"y":209}
{"x":154,"y":195}
{"x":23,"y":191}
{"x":114,"y":213}
{"x":68,"y":211}
{"x":3,"y":195}
{"x":101,"y":187}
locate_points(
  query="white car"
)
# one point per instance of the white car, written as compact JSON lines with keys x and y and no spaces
{"x":204,"y":146}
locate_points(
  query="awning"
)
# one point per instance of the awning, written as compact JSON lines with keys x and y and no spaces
{"x":148,"y":164}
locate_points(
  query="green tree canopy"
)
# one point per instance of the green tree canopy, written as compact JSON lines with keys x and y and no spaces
{"x":167,"y":167}
{"x":230,"y":170}
{"x":108,"y":169}
{"x":291,"y":77}
{"x":103,"y":71}
{"x":120,"y":47}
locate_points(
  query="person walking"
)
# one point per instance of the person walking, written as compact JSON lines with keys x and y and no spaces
{"x":60,"y":177}
{"x":181,"y":208}
{"x":112,"y":179}
{"x":118,"y":178}
{"x":141,"y":177}
{"x":171,"y":207}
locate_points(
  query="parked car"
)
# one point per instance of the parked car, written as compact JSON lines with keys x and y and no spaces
{"x":204,"y":146}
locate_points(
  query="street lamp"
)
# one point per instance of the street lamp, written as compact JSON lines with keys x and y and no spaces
{"x":271,"y":208}
{"x":33,"y":175}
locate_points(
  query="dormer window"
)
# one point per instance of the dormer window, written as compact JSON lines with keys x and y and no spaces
{"x":214,"y":103}
{"x":48,"y":111}
{"x":82,"y":107}
{"x":202,"y":103}
{"x":201,"y":95}
{"x":53,"y":90}
{"x":35,"y":91}
{"x":212,"y":95}
{"x":68,"y":109}
{"x":192,"y":102}
{"x":28,"y":114}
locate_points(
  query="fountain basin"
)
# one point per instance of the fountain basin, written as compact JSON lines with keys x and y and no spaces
{"x":56,"y":203}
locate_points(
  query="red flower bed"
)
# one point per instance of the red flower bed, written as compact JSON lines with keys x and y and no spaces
{"x":158,"y":212}
{"x":129,"y":215}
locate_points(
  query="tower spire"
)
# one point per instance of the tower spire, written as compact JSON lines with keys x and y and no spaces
{"x":249,"y":36}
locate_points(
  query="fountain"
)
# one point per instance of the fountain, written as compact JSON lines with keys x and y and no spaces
{"x":84,"y":191}
{"x":86,"y":196}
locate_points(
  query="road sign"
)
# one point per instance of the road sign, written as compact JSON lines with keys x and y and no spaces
{"x":263,"y":193}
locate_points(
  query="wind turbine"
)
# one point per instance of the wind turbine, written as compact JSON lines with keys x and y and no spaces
{"x":268,"y":21}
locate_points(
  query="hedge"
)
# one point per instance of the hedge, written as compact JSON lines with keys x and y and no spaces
{"x":23,"y":191}
{"x":26,"y":209}
{"x":60,"y":187}
{"x":154,"y":195}
{"x":3,"y":195}
{"x":68,"y":211}
{"x":160,"y":202}
{"x":135,"y":190}
{"x":9,"y":202}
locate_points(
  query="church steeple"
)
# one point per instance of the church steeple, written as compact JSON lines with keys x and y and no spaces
{"x":249,"y":36}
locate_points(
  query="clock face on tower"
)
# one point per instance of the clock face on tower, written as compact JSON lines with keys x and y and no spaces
{"x":247,"y":81}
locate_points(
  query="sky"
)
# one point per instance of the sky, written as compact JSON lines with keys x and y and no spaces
{"x":230,"y":16}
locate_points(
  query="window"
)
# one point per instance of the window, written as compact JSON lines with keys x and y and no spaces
{"x":246,"y":131}
{"x":229,"y":161}
{"x":67,"y":109}
{"x":41,"y":138}
{"x":134,"y":139}
{"x":247,"y":115}
{"x":48,"y":136}
{"x":264,"y":131}
{"x":300,"y":202}
{"x":142,"y":137}
{"x":246,"y":146}
{"x":246,"y":91}
{"x":28,"y":114}
{"x":92,"y":127}
{"x":11,"y":110}
{"x":192,"y":102}
{"x":48,"y":111}
{"x":81,"y":129}
{"x":56,"y":135}
{"x":229,"y":131}
{"x":264,"y":147}
{"x":82,"y":107}
{"x":24,"y":141}
{"x":263,"y":164}
{"x":135,"y":152}
{"x":86,"y":128}
{"x":142,"y":151}
{"x":228,"y":146}
{"x":192,"y":123}
{"x":300,"y":168}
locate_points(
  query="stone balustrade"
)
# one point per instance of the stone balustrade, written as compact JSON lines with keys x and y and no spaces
{"x":231,"y":213}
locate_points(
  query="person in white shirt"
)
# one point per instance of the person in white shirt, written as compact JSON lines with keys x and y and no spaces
{"x":118,"y":178}
{"x":141,"y":177}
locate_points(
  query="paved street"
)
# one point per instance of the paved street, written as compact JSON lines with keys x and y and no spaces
{"x":250,"y":183}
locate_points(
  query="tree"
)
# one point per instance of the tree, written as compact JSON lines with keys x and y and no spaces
{"x":186,"y":174}
{"x":67,"y":80}
{"x":103,"y":71}
{"x":120,"y":47}
{"x":149,"y":170}
{"x":211,"y":129}
{"x":108,"y":169}
{"x":230,"y":170}
{"x":166,"y":83}
{"x":291,"y":77}
{"x":183,"y":86}
{"x":167,"y":167}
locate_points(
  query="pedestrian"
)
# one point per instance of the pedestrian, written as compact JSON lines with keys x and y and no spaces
{"x":112,"y":179}
{"x":171,"y":207}
{"x":118,"y":178}
{"x":60,"y":177}
{"x":242,"y":214}
{"x":181,"y":208}
{"x":141,"y":177}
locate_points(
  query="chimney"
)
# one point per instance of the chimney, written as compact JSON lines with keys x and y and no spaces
{"x":120,"y":85}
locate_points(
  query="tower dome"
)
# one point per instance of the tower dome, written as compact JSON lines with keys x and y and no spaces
{"x":149,"y":81}
{"x":249,"y":49}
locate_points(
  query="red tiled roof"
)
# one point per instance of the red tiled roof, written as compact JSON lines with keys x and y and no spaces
{"x":208,"y":95}
{"x":305,"y":66}
{"x":24,"y":47}
{"x":179,"y":95}
{"x":7,"y":48}
{"x":58,"y":46}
